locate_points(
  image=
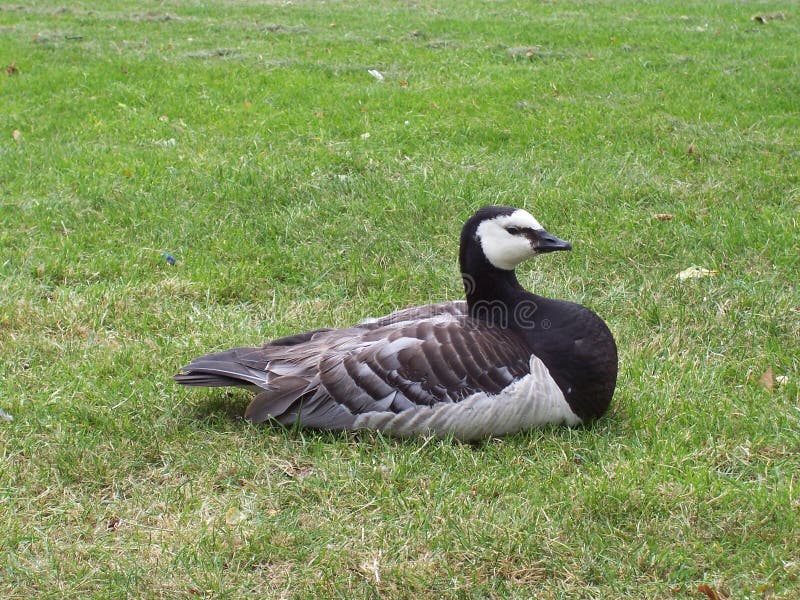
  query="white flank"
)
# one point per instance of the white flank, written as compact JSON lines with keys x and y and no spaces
{"x":533,"y":401}
{"x":503,"y":250}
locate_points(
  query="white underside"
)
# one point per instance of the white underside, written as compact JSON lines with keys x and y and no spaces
{"x":533,"y":401}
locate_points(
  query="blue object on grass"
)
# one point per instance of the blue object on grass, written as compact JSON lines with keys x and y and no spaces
{"x":169,"y":258}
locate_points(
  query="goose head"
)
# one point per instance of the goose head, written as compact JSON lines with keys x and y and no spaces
{"x":500,"y":238}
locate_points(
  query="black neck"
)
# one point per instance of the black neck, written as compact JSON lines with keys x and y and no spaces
{"x":493,"y":294}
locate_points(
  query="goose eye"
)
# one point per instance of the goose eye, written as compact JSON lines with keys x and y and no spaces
{"x":513,"y":230}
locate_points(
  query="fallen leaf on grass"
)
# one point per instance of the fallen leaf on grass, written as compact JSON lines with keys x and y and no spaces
{"x":12,"y":69}
{"x":770,"y":381}
{"x":709,"y":591}
{"x":663,"y":216}
{"x":17,"y":135}
{"x":767,"y":380}
{"x":695,"y":272}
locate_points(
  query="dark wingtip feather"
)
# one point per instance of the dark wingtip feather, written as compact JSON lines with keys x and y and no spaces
{"x":272,"y":403}
{"x":200,"y":379}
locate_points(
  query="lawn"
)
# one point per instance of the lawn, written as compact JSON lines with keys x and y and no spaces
{"x":294,"y":189}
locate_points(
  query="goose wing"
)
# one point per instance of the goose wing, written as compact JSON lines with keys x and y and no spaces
{"x":422,"y":362}
{"x":298,"y":353}
{"x":366,"y":375}
{"x":390,"y":369}
{"x":415,"y":313}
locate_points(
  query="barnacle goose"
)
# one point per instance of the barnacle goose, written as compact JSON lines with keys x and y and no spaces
{"x":502,"y":361}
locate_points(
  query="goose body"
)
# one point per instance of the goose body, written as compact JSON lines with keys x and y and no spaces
{"x":501,"y":361}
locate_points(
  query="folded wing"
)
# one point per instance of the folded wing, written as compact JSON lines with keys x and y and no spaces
{"x":418,"y":357}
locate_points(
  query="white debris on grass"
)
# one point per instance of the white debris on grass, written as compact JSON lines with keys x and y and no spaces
{"x":695,"y":272}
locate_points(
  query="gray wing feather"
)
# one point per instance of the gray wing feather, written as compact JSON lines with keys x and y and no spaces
{"x":422,"y":369}
{"x":455,"y":308}
{"x":326,"y":378}
{"x":216,"y":370}
{"x":277,"y":398}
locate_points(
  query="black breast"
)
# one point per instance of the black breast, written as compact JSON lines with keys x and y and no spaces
{"x":579,"y":351}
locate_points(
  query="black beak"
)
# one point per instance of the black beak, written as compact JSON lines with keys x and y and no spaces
{"x":545,"y":241}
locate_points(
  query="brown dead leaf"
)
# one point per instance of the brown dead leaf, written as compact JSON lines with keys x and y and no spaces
{"x":12,"y":69}
{"x":767,"y":380}
{"x":663,"y":216}
{"x":709,"y":591}
{"x":113,"y":523}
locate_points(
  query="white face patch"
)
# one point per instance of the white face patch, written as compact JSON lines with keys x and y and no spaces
{"x":502,"y":249}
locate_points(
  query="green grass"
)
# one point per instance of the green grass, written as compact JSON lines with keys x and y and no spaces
{"x":233,"y":135}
